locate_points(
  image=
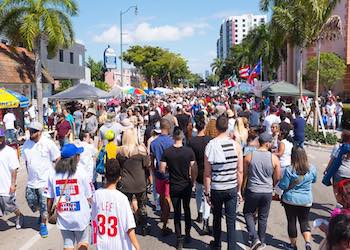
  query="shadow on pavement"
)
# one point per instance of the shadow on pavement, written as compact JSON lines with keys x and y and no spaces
{"x":28,"y":222}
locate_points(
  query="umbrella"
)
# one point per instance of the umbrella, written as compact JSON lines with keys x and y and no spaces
{"x":12,"y":99}
{"x":136,"y":91}
{"x":82,"y":91}
{"x":153,"y":92}
{"x":285,"y":89}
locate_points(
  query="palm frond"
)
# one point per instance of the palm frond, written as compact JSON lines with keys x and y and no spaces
{"x":68,"y":6}
{"x":30,"y":30}
{"x":332,"y":28}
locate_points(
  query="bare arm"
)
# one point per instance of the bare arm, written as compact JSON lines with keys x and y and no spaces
{"x":13,"y":181}
{"x":276,"y":169}
{"x":193,"y":171}
{"x":49,"y":205}
{"x":246,"y":162}
{"x":239,"y":169}
{"x":133,"y":239}
{"x":207,"y":175}
{"x":162,"y":167}
{"x":281,"y":150}
{"x":176,"y":122}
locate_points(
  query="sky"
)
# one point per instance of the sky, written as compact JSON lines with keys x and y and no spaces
{"x":188,"y":27}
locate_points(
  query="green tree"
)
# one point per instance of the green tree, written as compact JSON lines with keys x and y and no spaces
{"x":97,"y":70}
{"x":29,"y":22}
{"x":65,"y":84}
{"x":213,"y":80}
{"x":194,"y":80}
{"x":157,"y":65}
{"x":102,"y":85}
{"x":332,"y":69}
{"x":217,"y":66}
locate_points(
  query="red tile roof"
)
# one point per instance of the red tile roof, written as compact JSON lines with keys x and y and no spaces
{"x":17,"y":66}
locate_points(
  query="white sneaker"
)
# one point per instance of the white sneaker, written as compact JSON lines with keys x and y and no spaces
{"x":256,"y":244}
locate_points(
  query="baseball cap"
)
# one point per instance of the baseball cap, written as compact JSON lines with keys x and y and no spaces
{"x":265,"y":137}
{"x":109,"y":135}
{"x":157,"y":128}
{"x":36,"y":125}
{"x":2,"y":132}
{"x":69,"y":150}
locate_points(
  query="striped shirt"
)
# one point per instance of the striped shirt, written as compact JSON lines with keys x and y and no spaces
{"x":223,"y":158}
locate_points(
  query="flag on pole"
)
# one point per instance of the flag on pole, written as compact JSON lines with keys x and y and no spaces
{"x":255,"y":72}
{"x":244,"y":72}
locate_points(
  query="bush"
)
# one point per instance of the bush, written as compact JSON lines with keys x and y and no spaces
{"x":311,"y":135}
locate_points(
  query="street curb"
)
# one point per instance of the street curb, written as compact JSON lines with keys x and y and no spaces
{"x":323,"y":147}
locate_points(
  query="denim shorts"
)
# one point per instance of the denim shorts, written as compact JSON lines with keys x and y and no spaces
{"x":36,"y":201}
{"x":70,"y":238}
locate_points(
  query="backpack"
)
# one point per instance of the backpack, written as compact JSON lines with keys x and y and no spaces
{"x":101,"y":160}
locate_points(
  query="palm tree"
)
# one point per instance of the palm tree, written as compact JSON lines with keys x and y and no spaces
{"x":217,"y":66}
{"x":29,"y":22}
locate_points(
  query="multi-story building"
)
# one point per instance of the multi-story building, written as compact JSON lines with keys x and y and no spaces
{"x":234,"y":29}
{"x":341,"y":47}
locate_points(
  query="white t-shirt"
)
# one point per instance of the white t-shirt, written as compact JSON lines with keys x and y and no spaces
{"x":32,"y":112}
{"x":39,"y":158}
{"x":9,"y":120}
{"x":8,"y":163}
{"x":285,"y":159}
{"x":269,"y":120}
{"x":112,"y":218}
{"x":330,"y":108}
{"x":86,"y":161}
{"x":73,"y":210}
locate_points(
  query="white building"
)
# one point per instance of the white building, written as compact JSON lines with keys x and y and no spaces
{"x":234,"y":29}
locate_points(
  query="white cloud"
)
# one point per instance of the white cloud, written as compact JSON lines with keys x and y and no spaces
{"x":145,"y":32}
{"x":79,"y":41}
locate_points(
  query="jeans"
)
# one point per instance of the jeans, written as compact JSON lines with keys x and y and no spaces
{"x":202,"y":204}
{"x":77,"y":129}
{"x":141,"y":203}
{"x":10,"y":135}
{"x":259,"y":202}
{"x":339,"y":120}
{"x":297,"y":212}
{"x":299,"y":143}
{"x":154,"y":190}
{"x":176,"y":198}
{"x":63,"y":142}
{"x":46,"y":120}
{"x":228,"y":198}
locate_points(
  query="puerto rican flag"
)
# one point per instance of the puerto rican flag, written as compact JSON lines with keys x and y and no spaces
{"x":256,"y":72}
{"x":244,"y":72}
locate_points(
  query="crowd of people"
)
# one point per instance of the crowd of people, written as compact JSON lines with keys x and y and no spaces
{"x":99,"y":167}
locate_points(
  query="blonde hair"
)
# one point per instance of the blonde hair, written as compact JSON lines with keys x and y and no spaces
{"x":240,"y":131}
{"x":130,"y":144}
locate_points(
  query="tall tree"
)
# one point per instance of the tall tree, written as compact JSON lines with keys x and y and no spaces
{"x":217,"y":66}
{"x":30,"y":22}
{"x":97,"y":70}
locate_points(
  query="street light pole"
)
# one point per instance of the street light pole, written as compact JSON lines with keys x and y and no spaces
{"x":121,"y":40}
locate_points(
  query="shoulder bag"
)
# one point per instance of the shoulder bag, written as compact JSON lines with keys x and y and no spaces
{"x":53,"y":213}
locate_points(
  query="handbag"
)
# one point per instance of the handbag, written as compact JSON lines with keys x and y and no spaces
{"x":53,"y":213}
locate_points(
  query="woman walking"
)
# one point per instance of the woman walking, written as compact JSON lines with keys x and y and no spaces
{"x":69,"y":187}
{"x":297,"y":197}
{"x":134,"y":162}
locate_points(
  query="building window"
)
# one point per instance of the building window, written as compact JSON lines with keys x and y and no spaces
{"x":243,"y":20}
{"x":236,"y":20}
{"x":236,"y":31}
{"x":236,"y":41}
{"x":262,"y":20}
{"x":236,"y":35}
{"x":236,"y":25}
{"x":61,"y":55}
{"x":71,"y":57}
{"x":80,"y":60}
{"x":243,"y":25}
{"x":243,"y":35}
{"x":243,"y":30}
{"x":254,"y":19}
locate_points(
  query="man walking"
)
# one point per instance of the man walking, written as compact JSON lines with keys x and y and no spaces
{"x":158,"y":146}
{"x":299,"y":129}
{"x":262,"y":170}
{"x":223,"y":175}
{"x":39,"y":154}
{"x":180,"y":163}
{"x":9,"y":120}
{"x":8,"y":167}
{"x":63,"y":130}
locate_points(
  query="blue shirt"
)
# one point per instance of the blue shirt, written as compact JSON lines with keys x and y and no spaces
{"x":158,"y":146}
{"x":70,"y":119}
{"x":300,"y":194}
{"x":299,"y":129}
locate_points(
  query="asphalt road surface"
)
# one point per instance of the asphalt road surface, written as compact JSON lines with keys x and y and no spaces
{"x":29,"y":238}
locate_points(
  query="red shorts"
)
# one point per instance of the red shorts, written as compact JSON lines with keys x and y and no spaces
{"x":163,"y":187}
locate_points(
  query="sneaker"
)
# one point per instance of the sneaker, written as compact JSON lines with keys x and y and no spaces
{"x":256,"y":244}
{"x":19,"y":222}
{"x":199,"y":218}
{"x":43,"y":230}
{"x":307,"y":246}
{"x":214,"y":246}
{"x":166,"y":231}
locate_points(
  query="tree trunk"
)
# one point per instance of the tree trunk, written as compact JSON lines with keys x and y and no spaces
{"x":317,"y":90}
{"x":38,"y":80}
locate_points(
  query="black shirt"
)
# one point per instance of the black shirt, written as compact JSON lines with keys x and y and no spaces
{"x":198,"y":145}
{"x":182,"y":119}
{"x":178,"y":161}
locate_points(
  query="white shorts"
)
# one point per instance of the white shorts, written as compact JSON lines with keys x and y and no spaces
{"x":72,"y":238}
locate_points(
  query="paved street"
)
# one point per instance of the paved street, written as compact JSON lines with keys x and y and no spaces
{"x":28,"y":237}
